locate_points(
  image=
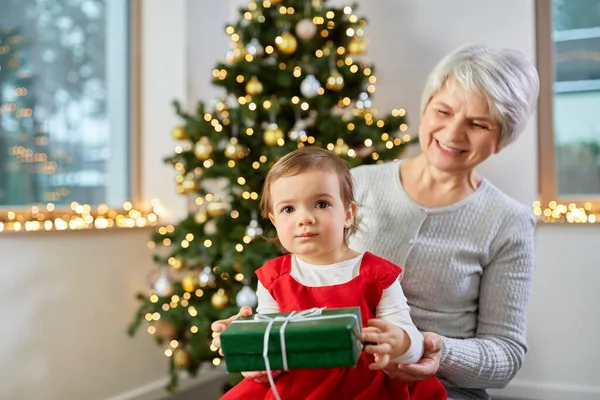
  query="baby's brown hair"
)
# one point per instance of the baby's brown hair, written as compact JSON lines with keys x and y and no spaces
{"x":306,"y":159}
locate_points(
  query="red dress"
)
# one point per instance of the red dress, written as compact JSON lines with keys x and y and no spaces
{"x":365,"y":290}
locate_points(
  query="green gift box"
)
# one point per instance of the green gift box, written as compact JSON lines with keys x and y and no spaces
{"x":316,"y":338}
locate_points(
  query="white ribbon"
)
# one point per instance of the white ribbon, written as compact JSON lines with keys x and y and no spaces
{"x":311,"y":314}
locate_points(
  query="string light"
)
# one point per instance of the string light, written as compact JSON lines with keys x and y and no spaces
{"x":78,"y":217}
{"x":555,"y":212}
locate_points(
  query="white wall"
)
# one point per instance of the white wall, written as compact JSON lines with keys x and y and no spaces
{"x":407,"y":38}
{"x":66,"y":298}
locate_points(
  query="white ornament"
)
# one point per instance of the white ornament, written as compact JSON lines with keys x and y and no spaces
{"x":210,"y":227}
{"x":306,"y":29}
{"x":206,"y":277}
{"x":253,"y":229}
{"x":363,"y":101}
{"x":298,"y":131}
{"x":310,"y":86}
{"x":163,"y":286}
{"x":246,"y":297}
{"x":254,"y":47}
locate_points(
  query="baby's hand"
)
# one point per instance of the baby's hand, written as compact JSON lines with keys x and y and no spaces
{"x":389,"y":341}
{"x":261,"y":376}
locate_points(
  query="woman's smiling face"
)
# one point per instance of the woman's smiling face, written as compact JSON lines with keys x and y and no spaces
{"x":458,"y":131}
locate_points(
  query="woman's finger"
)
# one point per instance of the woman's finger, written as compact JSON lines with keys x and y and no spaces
{"x":396,"y":374}
{"x":418,"y":371}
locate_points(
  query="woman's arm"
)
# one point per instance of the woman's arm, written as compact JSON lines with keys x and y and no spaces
{"x":493,"y":357}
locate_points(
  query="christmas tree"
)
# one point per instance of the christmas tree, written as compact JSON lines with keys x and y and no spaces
{"x":295,"y":75}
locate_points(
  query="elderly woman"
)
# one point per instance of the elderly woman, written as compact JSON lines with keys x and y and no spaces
{"x":466,"y":247}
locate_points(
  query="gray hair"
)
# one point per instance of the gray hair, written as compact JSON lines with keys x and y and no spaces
{"x":508,"y":81}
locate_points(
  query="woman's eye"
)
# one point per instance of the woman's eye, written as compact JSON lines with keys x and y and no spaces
{"x":480,"y":126}
{"x":322,"y":204}
{"x":287,"y":210}
{"x":442,"y":112}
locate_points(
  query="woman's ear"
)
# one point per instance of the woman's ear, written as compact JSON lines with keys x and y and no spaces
{"x":350,"y":213}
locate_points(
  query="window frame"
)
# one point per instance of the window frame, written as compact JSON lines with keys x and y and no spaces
{"x":549,"y":198}
{"x":132,"y":208}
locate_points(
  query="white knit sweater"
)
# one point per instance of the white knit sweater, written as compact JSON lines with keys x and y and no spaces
{"x":467,"y":273}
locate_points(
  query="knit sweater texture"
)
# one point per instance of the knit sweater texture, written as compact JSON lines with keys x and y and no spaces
{"x":467,"y":272}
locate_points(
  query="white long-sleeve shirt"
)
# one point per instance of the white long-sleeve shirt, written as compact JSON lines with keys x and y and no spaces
{"x":392,"y":307}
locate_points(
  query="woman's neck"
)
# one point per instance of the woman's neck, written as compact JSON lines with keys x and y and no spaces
{"x":432,"y":178}
{"x":432,"y":188}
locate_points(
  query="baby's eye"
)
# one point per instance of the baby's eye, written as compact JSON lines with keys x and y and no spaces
{"x":287,"y":210}
{"x":322,"y":204}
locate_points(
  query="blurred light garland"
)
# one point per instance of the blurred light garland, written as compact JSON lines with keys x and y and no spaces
{"x":79,"y":217}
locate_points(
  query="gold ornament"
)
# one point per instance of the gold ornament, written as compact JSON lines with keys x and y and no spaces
{"x":286,"y":43}
{"x":272,"y":135}
{"x":179,"y":133}
{"x":335,"y":81}
{"x":165,"y":330}
{"x":189,"y":282}
{"x":216,"y":208}
{"x":234,"y":150}
{"x":181,"y":358}
{"x":200,"y":217}
{"x":203,"y":149}
{"x":177,"y":263}
{"x":238,"y":53}
{"x":358,"y":45}
{"x":219,"y":300}
{"x":254,"y":87}
{"x":341,"y":148}
{"x":187,"y":186}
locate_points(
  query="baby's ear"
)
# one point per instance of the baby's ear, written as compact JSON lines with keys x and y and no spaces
{"x":350,"y":213}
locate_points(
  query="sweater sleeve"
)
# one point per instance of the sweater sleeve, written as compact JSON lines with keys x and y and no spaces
{"x":493,"y":357}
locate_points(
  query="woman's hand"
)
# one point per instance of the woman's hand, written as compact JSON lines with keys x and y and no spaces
{"x":427,"y":366}
{"x":220,"y":325}
{"x":389,"y":341}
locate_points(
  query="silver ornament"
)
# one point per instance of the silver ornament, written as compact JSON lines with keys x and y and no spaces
{"x":254,"y":47}
{"x":363,"y":101}
{"x":310,"y":86}
{"x":246,"y":297}
{"x":163,"y":286}
{"x":298,"y":131}
{"x":206,"y":276}
{"x":253,"y":229}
